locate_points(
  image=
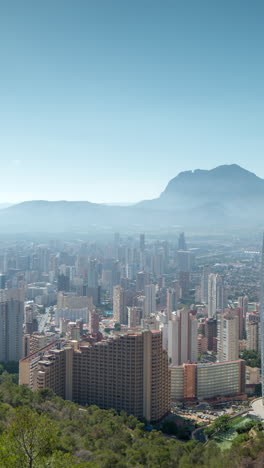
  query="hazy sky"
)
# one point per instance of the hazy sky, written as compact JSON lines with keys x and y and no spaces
{"x":107,"y":100}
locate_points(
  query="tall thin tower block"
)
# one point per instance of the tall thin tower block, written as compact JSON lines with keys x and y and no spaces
{"x":262,"y":319}
{"x":181,"y":242}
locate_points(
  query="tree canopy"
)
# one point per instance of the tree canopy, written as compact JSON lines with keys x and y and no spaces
{"x":41,"y":430}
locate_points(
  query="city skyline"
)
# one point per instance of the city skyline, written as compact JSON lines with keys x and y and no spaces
{"x":107,"y":102}
{"x":137,"y":323}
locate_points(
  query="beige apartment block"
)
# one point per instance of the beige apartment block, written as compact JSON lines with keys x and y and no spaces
{"x":129,"y":372}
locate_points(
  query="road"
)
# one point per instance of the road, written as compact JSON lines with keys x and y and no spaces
{"x":43,"y":320}
{"x":198,"y":434}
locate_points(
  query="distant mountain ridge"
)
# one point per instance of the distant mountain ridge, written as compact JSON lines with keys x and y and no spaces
{"x":227,"y":195}
{"x":202,"y":185}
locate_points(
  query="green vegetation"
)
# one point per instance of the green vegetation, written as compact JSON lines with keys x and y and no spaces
{"x":40,"y":430}
{"x":12,"y":367}
{"x":252,"y":358}
{"x":178,"y":427}
{"x":248,"y":425}
{"x":220,"y":424}
{"x":229,"y":430}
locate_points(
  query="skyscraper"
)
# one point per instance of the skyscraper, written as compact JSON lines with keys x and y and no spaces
{"x":63,"y":283}
{"x":171,"y":304}
{"x":142,"y":242}
{"x":92,"y":281}
{"x":94,"y":322}
{"x":141,"y":281}
{"x":215,"y":294}
{"x":134,"y":316}
{"x":184,"y":284}
{"x":243,"y":304}
{"x":253,"y":336}
{"x":211,"y":333}
{"x":185,"y":260}
{"x":11,"y":324}
{"x":182,"y":337}
{"x":2,"y":281}
{"x":204,"y":284}
{"x":150,"y":300}
{"x":227,"y":336}
{"x":181,"y":242}
{"x":119,"y":305}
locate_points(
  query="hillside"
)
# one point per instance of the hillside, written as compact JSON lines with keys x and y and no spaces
{"x":40,"y":430}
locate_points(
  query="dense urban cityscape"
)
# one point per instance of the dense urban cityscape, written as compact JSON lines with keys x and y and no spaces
{"x":147,"y":326}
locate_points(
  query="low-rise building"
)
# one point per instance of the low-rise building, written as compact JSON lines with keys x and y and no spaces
{"x":207,"y":380}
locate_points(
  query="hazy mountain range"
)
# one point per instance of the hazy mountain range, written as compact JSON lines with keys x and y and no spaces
{"x":225,"y":197}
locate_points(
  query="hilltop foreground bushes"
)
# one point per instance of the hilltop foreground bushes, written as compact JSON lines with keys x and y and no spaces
{"x":40,"y":430}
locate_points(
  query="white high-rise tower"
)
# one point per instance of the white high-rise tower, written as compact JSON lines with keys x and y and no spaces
{"x":11,"y":324}
{"x":150,"y":301}
{"x":215,"y":294}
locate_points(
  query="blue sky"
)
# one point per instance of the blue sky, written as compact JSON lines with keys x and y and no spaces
{"x":107,"y":100}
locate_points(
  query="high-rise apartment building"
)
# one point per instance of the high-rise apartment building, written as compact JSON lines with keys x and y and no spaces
{"x":204,"y":284}
{"x":92,"y":275}
{"x":172,"y":302}
{"x":32,"y":343}
{"x":93,"y":322}
{"x":129,"y":372}
{"x":253,"y":336}
{"x":134,"y":316}
{"x":181,"y":242}
{"x":182,"y":337}
{"x":215,"y":294}
{"x":2,"y":281}
{"x":71,"y":315}
{"x":11,"y":324}
{"x":141,"y":281}
{"x":211,"y":333}
{"x":243,"y":304}
{"x":157,"y":264}
{"x":241,"y":322}
{"x":185,"y":260}
{"x":251,"y":317}
{"x":227,"y":336}
{"x":150,"y":300}
{"x":71,"y":301}
{"x":119,"y":305}
{"x":63,"y":283}
{"x":142,"y":242}
{"x":184,"y":284}
{"x":110,"y":275}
